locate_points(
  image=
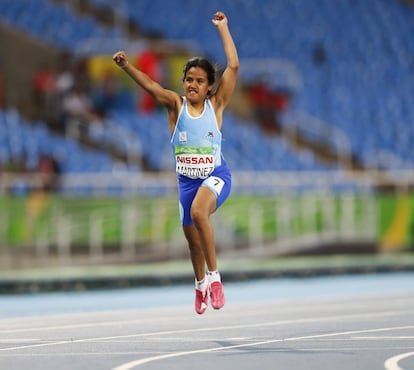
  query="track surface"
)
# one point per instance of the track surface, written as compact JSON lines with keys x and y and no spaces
{"x":350,"y":322}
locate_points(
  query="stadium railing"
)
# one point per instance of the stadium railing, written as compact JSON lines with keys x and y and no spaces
{"x":132,"y":218}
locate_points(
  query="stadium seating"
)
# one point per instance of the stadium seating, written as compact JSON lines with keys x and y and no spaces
{"x":21,"y":139}
{"x":364,"y":86}
{"x":245,"y":146}
{"x":57,"y":25}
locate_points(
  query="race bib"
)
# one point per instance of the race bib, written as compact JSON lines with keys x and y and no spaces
{"x":194,"y":162}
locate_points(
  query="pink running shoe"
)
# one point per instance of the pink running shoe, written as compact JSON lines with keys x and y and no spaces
{"x":216,"y":295}
{"x":201,"y":301}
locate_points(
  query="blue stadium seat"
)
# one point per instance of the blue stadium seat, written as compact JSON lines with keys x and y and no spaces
{"x":364,"y":88}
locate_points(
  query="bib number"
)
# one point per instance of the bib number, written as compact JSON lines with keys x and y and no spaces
{"x":215,"y":184}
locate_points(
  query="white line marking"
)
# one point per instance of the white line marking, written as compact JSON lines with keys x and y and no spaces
{"x":319,"y":307}
{"x":136,"y":363}
{"x":78,"y":326}
{"x":37,"y":345}
{"x":392,"y":362}
{"x":392,"y":337}
{"x":210,"y":329}
{"x":353,"y":332}
{"x":19,"y":340}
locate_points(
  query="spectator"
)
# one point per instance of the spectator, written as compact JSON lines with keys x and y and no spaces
{"x":106,"y":95}
{"x":1,"y":85}
{"x":44,"y":90}
{"x":267,"y":105}
{"x":319,"y":54}
{"x":49,"y":171}
{"x":78,"y":111}
{"x":64,"y":79}
{"x":149,"y":61}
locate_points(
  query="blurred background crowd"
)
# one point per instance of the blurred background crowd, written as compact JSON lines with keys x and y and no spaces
{"x":346,"y":64}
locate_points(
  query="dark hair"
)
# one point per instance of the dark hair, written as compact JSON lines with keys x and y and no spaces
{"x":204,"y":64}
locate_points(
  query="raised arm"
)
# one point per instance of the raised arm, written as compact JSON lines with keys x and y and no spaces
{"x":167,"y":98}
{"x":163,"y":96}
{"x":228,"y":79}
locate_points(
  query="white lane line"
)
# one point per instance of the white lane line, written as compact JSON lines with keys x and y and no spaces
{"x":319,"y":307}
{"x":37,"y":345}
{"x":80,"y":326}
{"x":19,"y":340}
{"x":327,"y":335}
{"x":391,"y":337}
{"x":132,"y":364}
{"x":210,"y":329}
{"x":392,"y":362}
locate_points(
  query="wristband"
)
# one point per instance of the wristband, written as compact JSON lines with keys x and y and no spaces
{"x":124,"y":65}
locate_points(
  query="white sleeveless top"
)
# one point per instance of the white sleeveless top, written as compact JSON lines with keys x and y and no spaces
{"x":196,"y":142}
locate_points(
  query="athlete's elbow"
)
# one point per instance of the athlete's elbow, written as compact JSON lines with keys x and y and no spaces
{"x":234,"y":66}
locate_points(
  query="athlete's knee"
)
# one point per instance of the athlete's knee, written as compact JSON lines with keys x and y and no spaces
{"x":193,"y":239}
{"x":194,"y":248}
{"x":199,"y":215}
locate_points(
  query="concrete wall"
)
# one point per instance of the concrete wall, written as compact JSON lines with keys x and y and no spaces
{"x":20,"y":56}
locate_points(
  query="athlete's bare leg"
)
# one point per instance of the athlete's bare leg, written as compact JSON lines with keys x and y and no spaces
{"x":204,"y":204}
{"x":196,"y":252}
{"x":200,"y":235}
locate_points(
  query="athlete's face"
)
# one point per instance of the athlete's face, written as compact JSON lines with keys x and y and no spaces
{"x":196,"y":86}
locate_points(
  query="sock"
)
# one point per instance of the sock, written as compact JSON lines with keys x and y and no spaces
{"x":202,"y":284}
{"x":213,"y":276}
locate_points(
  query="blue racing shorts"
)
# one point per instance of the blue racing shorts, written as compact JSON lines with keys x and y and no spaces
{"x":219,"y":182}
